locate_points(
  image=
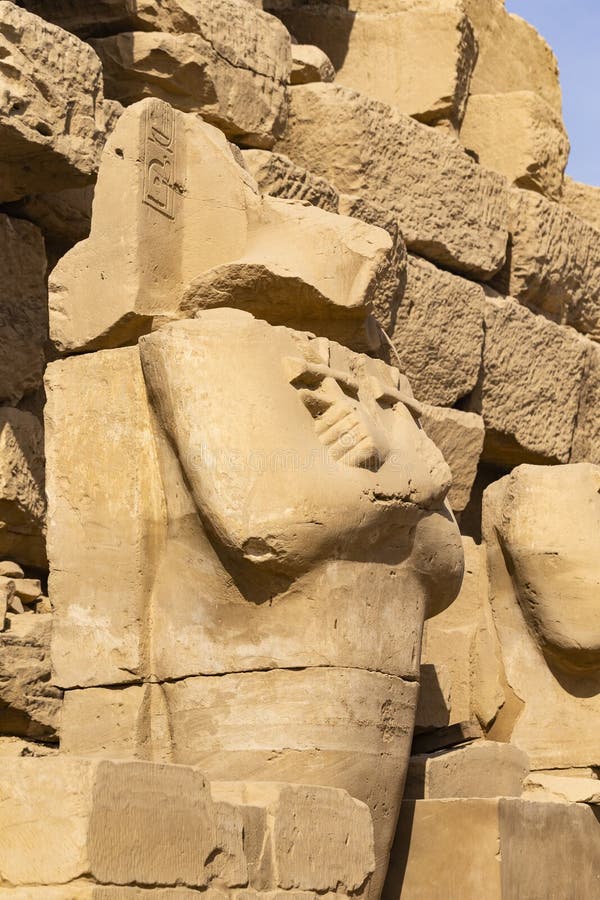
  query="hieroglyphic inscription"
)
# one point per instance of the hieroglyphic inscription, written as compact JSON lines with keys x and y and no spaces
{"x":160,"y":158}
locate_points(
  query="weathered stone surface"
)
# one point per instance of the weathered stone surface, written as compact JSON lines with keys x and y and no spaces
{"x":539,"y":526}
{"x":479,"y":769}
{"x":321,"y":839}
{"x":507,"y":848}
{"x":22,"y":500}
{"x":583,"y":200}
{"x":391,"y":283}
{"x":309,"y":64}
{"x":89,"y":555}
{"x":519,"y":135}
{"x":323,"y":726}
{"x":52,"y":118}
{"x":270,"y":255}
{"x":277,"y":175}
{"x":451,"y":210}
{"x":23,"y":309}
{"x":586,"y":437}
{"x":416,"y":56}
{"x":105,"y":820}
{"x":29,"y":704}
{"x":528,"y":393}
{"x":438,"y":333}
{"x":238,"y":85}
{"x":553,"y":262}
{"x":63,"y":217}
{"x":459,"y":435}
{"x":461,"y":674}
{"x":567,"y":789}
{"x":512,"y":55}
{"x":115,"y":16}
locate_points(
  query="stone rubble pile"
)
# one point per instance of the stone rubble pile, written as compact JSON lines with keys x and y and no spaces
{"x":427,"y":279}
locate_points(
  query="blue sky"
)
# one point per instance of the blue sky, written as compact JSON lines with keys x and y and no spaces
{"x":572,"y":28}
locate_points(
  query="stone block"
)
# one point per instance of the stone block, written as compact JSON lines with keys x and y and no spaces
{"x":115,"y":16}
{"x":538,"y":525}
{"x":461,"y":673}
{"x":480,"y":769}
{"x":98,"y":540}
{"x":321,"y":839}
{"x":553,"y":262}
{"x":417,"y":57}
{"x":29,"y":704}
{"x":586,"y":437}
{"x":179,"y":249}
{"x":320,"y":726}
{"x":104,"y":820}
{"x":52,"y":121}
{"x":562,"y":789}
{"x":459,"y":435}
{"x":438,"y":333}
{"x":519,"y":135}
{"x":309,"y":64}
{"x":23,"y":309}
{"x":278,"y":176}
{"x":583,"y":200}
{"x":507,"y":848}
{"x":528,"y":393}
{"x":227,"y":61}
{"x":451,"y":210}
{"x":512,"y":55}
{"x":22,"y":499}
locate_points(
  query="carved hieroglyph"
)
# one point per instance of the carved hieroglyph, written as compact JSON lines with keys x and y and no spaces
{"x":541,"y":526}
{"x":254,"y":552}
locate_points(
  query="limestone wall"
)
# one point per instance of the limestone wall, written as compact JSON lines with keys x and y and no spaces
{"x":388,"y":176}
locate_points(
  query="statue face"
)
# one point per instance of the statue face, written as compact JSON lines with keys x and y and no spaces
{"x":294,"y":448}
{"x":550,"y":533}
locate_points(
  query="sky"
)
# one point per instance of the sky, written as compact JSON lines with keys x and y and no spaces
{"x":572,"y":28}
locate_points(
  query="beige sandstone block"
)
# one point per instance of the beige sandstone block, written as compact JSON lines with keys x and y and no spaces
{"x":106,"y":820}
{"x":540,"y":522}
{"x":438,"y":333}
{"x":566,"y":789}
{"x":450,"y":210}
{"x":415,"y":56}
{"x":22,"y":500}
{"x":553,"y":263}
{"x":277,"y":175}
{"x":52,"y":120}
{"x":105,"y":515}
{"x":86,"y":890}
{"x":231,"y":65}
{"x":321,"y":838}
{"x":529,"y":387}
{"x":23,"y":309}
{"x":114,"y":16}
{"x":459,"y":435}
{"x":29,"y":704}
{"x":267,"y":254}
{"x":480,"y":769}
{"x":512,"y":55}
{"x":586,"y":437}
{"x":461,"y":673}
{"x":583,"y":200}
{"x":519,"y":135}
{"x":342,"y":728}
{"x":309,"y":63}
{"x":508,"y":848}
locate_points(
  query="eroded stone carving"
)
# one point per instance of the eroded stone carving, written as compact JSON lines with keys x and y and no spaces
{"x":541,"y":527}
{"x":298,"y":538}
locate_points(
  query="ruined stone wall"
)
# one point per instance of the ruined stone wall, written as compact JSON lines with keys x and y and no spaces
{"x":440,"y":123}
